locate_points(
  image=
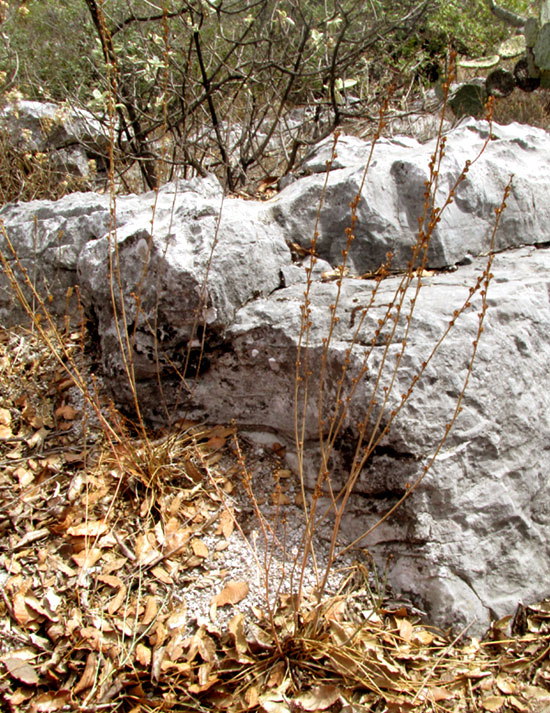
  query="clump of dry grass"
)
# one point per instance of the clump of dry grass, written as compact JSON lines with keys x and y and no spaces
{"x":526,"y":108}
{"x":32,"y":175}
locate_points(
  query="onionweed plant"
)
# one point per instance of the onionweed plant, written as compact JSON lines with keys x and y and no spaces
{"x":334,"y":412}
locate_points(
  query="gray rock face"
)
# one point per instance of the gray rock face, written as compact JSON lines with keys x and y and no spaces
{"x":69,"y":135}
{"x":472,"y":539}
{"x":49,"y":237}
{"x":392,"y":198}
{"x":219,"y":324}
{"x":191,"y":269}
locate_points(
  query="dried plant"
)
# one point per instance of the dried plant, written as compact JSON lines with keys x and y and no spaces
{"x":395,"y":325}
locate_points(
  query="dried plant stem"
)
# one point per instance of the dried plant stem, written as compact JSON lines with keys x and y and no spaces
{"x":485,"y":279}
{"x":376,"y":422}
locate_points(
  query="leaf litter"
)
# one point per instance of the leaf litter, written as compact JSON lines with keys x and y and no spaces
{"x":140,"y":577}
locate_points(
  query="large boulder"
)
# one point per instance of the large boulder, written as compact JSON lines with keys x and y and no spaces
{"x":392,"y":197}
{"x":48,"y":237}
{"x":472,"y":539}
{"x":212,"y":302}
{"x":189,"y":266}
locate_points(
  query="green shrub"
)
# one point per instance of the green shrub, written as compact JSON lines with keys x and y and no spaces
{"x":49,"y":45}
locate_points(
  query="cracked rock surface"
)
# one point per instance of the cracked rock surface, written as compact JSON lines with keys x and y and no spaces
{"x":220,"y":288}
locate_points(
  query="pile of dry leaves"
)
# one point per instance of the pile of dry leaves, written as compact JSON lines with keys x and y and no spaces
{"x":130,"y":581}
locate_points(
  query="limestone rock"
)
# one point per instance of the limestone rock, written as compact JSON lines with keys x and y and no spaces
{"x":472,"y":540}
{"x":69,"y":135}
{"x":190,"y":270}
{"x":48,"y":237}
{"x":41,"y":126}
{"x":216,"y":337}
{"x":392,"y":198}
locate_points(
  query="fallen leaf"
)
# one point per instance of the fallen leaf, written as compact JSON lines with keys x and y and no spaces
{"x":87,"y":558}
{"x":38,"y":438}
{"x":336,"y":611}
{"x":279,"y":498}
{"x":220,"y":431}
{"x":199,"y":548}
{"x":274,"y":701}
{"x":192,"y":471}
{"x":159,"y":532}
{"x":111,"y":580}
{"x":233,"y":593}
{"x":422,"y":637}
{"x":117,"y":601}
{"x":205,"y":678}
{"x":158,"y":635}
{"x":151,"y":610}
{"x":33,"y":603}
{"x":536,"y":693}
{"x":66,"y":412}
{"x":74,"y":457}
{"x":319,"y":698}
{"x":405,"y":629}
{"x":91,"y":528}
{"x":21,"y":670}
{"x":177,"y":540}
{"x":19,"y":696}
{"x":5,"y":432}
{"x":32,"y":536}
{"x":227,"y":523}
{"x":493,"y":703}
{"x":214,"y":458}
{"x":24,"y":475}
{"x":126,"y":626}
{"x":160,"y":573}
{"x":12,"y":566}
{"x":178,"y":618}
{"x":505,"y":685}
{"x":203,"y":645}
{"x":146,"y":552}
{"x":518,"y":705}
{"x":251,"y":696}
{"x":236,"y":629}
{"x":343,"y":662}
{"x":143,"y":655}
{"x":89,"y":674}
{"x":438,"y":693}
{"x":276,"y":675}
{"x":48,"y":702}
{"x":20,"y":611}
{"x":157,"y":657}
{"x":215,"y":443}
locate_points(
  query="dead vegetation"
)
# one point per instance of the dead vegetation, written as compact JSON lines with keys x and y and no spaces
{"x":103,"y":555}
